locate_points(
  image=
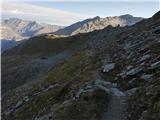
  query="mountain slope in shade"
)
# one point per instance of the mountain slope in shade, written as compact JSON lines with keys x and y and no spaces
{"x":97,"y":23}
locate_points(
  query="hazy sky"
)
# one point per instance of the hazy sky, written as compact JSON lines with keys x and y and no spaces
{"x":65,"y":13}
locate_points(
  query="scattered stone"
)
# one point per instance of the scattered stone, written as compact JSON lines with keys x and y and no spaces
{"x":134,"y":71}
{"x":143,"y":63}
{"x":116,"y":78}
{"x":130,"y":55}
{"x":144,"y":115}
{"x":131,"y":82}
{"x":131,"y":91}
{"x":129,"y":67}
{"x":109,"y":67}
{"x":146,"y":77}
{"x":19,"y":103}
{"x":51,"y":86}
{"x":145,"y":57}
{"x":122,"y":74}
{"x":155,"y":65}
{"x":26,"y":98}
{"x":77,"y":96}
{"x":157,"y":30}
{"x":105,"y":83}
{"x":134,"y":59}
{"x":87,"y":94}
{"x":45,"y":117}
{"x":117,"y":92}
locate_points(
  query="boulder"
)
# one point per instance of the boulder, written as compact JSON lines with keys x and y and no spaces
{"x":108,"y":67}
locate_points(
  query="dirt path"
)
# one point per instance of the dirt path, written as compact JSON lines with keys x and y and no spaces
{"x":117,"y":106}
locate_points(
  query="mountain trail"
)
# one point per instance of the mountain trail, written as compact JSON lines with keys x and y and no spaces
{"x":117,"y":106}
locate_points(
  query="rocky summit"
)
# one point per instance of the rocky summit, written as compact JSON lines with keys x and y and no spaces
{"x":107,"y":74}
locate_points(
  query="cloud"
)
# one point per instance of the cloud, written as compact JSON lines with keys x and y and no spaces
{"x":40,"y":14}
{"x":16,"y":12}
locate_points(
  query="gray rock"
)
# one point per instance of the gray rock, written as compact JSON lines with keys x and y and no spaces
{"x":122,"y":74}
{"x":109,"y":67}
{"x":143,"y":63}
{"x":134,"y":71}
{"x":51,"y":86}
{"x":88,"y":93}
{"x":130,"y":55}
{"x":145,"y":57}
{"x":155,"y":65}
{"x":146,"y":76}
{"x":131,"y":81}
{"x":117,"y":92}
{"x":105,"y":83}
{"x":129,"y":67}
{"x":45,"y":117}
{"x":144,"y":115}
{"x":26,"y":98}
{"x":19,"y":103}
{"x":131,"y":91}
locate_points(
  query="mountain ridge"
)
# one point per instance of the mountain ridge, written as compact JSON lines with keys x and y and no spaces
{"x":97,"y":23}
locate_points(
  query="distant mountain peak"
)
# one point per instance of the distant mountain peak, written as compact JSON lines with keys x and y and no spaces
{"x":127,"y":15}
{"x":96,"y":17}
{"x":17,"y":29}
{"x":97,"y":23}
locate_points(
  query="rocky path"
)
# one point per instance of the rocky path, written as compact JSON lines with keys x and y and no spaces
{"x":117,"y":106}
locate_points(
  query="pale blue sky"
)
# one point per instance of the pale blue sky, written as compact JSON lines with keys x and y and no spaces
{"x":143,"y":9}
{"x":66,"y":13}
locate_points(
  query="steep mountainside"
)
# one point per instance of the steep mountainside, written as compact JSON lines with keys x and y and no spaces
{"x":112,"y":74}
{"x":98,"y":23}
{"x":10,"y":34}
